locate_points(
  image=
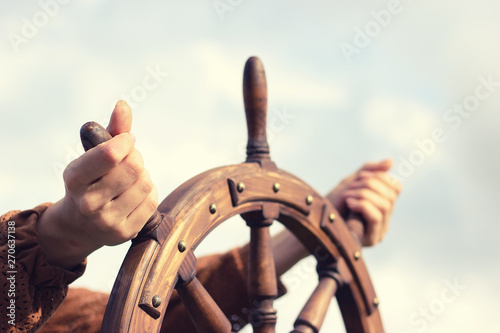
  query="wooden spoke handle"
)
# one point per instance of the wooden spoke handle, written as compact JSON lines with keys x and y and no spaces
{"x":93,"y":134}
{"x":255,"y":98}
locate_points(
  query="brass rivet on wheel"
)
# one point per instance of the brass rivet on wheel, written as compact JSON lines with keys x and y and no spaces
{"x":182,"y":246}
{"x":213,"y":208}
{"x":357,"y":255}
{"x":309,"y":199}
{"x":240,"y":187}
{"x":156,"y":301}
{"x":276,"y":187}
{"x":376,"y":301}
{"x":331,"y":217}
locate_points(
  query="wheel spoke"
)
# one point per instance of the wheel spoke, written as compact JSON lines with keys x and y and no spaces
{"x":262,"y":280}
{"x":206,"y":315}
{"x":312,"y":315}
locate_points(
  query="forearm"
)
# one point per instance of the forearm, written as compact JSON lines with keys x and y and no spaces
{"x":288,"y":250}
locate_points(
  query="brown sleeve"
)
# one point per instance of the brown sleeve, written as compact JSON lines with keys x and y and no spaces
{"x":82,"y":311}
{"x":33,"y":288}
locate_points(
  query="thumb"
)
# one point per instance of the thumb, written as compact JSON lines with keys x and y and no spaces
{"x":384,"y":165}
{"x":121,"y":119}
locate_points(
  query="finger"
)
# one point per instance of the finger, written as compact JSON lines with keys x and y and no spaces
{"x":139,"y":216}
{"x":372,"y":216}
{"x":377,"y":185}
{"x":384,"y":165}
{"x":382,"y":203}
{"x":121,"y":119}
{"x":390,"y":181}
{"x":96,"y":162}
{"x":120,"y":178}
{"x":119,"y":222}
{"x":123,"y":205}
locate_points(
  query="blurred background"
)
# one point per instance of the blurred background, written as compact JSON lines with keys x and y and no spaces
{"x":349,"y":82}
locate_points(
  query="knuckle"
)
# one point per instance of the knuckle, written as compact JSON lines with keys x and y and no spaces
{"x":147,"y":186}
{"x":395,"y":184}
{"x":392,"y":200}
{"x":134,"y":165}
{"x":134,"y":169}
{"x":392,"y":196}
{"x":88,"y":205}
{"x":152,"y":204}
{"x":110,"y":154}
{"x":384,"y":209}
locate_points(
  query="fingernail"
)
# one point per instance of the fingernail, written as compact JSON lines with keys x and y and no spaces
{"x":133,"y":137}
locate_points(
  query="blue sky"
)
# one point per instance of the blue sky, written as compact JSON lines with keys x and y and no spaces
{"x":394,"y":93}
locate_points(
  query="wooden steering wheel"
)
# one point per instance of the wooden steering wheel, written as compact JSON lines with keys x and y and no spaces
{"x":161,"y":258}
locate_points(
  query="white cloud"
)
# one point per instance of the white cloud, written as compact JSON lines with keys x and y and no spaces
{"x":195,"y":121}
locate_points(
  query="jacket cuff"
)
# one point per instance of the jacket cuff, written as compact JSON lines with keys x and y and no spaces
{"x":32,"y":257}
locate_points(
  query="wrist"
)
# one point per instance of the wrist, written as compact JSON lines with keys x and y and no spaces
{"x":336,"y":199}
{"x":62,"y":244}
